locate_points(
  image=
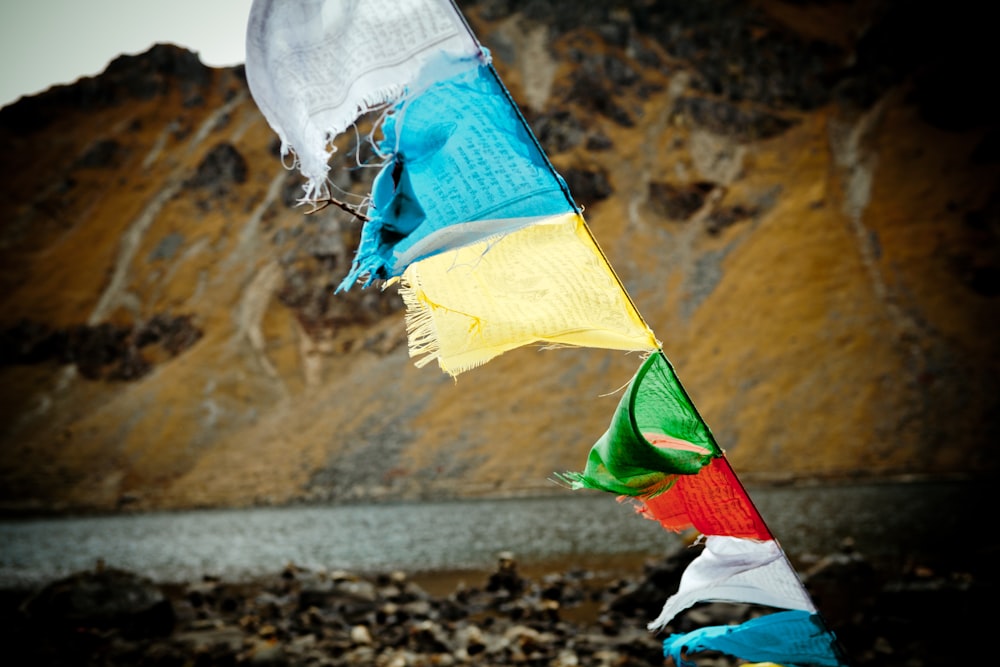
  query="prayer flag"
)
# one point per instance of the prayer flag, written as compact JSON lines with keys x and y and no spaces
{"x":713,"y":502}
{"x":315,"y":66}
{"x":546,"y":283}
{"x":787,"y":637}
{"x":655,"y":436}
{"x":734,"y":569}
{"x":462,"y":166}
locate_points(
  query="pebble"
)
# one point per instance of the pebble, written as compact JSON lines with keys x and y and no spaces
{"x":298,"y":617}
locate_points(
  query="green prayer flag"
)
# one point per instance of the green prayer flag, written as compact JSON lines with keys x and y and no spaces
{"x":655,"y":434}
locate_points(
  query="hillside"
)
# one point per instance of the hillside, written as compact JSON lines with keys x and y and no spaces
{"x":800,"y":197}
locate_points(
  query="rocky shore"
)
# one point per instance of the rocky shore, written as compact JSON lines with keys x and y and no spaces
{"x":910,"y":615}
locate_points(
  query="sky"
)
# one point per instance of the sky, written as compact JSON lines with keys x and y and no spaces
{"x":49,"y":42}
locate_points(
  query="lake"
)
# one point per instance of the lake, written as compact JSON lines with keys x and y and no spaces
{"x":887,"y":521}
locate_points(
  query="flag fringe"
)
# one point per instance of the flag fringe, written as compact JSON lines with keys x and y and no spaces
{"x":421,"y":333}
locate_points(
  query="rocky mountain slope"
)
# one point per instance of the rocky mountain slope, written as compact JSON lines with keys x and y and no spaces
{"x":801,"y":198}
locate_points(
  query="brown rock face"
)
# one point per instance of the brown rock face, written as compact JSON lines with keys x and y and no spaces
{"x":800,"y":198}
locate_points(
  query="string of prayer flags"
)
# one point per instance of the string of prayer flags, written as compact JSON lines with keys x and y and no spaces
{"x":491,"y":253}
{"x":466,"y":209}
{"x":659,"y":454}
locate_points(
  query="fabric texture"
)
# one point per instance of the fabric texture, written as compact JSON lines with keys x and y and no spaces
{"x":788,"y":637}
{"x":737,"y":570}
{"x":654,"y":409}
{"x":314,"y":66}
{"x":460,"y":156}
{"x":545,"y":283}
{"x":713,"y":502}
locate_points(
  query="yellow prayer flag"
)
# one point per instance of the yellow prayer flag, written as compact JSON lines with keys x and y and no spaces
{"x":548,"y":282}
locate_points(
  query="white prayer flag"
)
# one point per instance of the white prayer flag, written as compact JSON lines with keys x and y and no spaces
{"x":734,"y":569}
{"x":315,"y":66}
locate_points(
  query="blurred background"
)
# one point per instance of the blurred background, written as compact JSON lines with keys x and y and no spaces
{"x":800,"y":197}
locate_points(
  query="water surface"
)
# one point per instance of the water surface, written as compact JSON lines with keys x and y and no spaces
{"x":885,"y":520}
